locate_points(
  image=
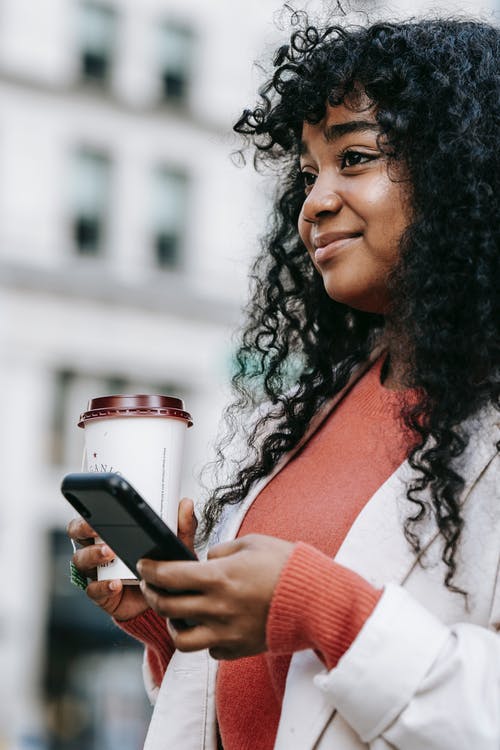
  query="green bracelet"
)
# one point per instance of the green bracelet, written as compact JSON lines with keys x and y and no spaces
{"x":76,"y":577}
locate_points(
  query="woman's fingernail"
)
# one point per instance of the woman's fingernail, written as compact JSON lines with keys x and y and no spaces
{"x":114,"y":585}
{"x":105,"y":551}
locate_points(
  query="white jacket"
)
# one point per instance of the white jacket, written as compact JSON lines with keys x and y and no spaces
{"x":423,"y":673}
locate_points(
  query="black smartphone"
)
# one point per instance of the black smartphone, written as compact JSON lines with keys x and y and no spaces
{"x":123,"y":518}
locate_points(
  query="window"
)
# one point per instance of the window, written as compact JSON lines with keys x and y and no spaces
{"x":169,"y":210}
{"x":97,"y":31}
{"x":175,"y":57}
{"x":90,"y":201}
{"x":70,"y":394}
{"x":63,"y":381}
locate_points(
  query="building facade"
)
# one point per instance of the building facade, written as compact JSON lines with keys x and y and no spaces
{"x":125,"y":236}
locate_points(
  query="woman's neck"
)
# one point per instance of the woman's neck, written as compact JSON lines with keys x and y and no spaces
{"x":395,"y":374}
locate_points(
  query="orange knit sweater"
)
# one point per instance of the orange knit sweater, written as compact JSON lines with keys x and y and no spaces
{"x":317,"y":603}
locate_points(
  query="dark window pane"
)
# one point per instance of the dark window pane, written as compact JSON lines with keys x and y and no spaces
{"x":174,"y":86}
{"x":87,"y":235}
{"x":89,"y":194}
{"x":169,"y":206}
{"x":97,"y":25}
{"x":95,"y":67}
{"x":167,"y":246}
{"x":175,"y":61}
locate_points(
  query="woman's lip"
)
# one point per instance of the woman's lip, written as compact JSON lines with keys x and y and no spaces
{"x":326,"y":252}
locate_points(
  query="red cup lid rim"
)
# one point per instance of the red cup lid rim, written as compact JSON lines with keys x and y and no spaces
{"x":135,"y":405}
{"x":137,"y":411}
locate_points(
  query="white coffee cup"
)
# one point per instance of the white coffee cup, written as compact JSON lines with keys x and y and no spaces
{"x":141,"y":437}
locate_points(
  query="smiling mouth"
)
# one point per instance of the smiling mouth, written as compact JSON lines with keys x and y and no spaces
{"x":326,"y":252}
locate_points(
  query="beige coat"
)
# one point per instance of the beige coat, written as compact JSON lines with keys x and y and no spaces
{"x":423,"y":674}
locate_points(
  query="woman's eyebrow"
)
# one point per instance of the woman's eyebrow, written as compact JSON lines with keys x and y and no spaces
{"x":334,"y":132}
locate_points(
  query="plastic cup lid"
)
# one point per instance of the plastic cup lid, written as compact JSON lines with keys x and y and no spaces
{"x":137,"y":405}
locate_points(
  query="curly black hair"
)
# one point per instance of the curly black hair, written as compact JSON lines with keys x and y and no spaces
{"x":435,"y":88}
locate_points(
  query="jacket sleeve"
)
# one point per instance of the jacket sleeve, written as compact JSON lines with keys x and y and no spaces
{"x":412,"y":683}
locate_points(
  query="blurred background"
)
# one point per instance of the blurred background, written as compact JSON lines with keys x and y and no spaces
{"x":125,"y":237}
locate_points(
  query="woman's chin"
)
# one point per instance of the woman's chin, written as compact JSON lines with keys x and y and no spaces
{"x":355,"y":298}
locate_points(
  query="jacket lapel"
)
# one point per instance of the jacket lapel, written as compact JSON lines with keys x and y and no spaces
{"x":376,"y":549}
{"x":184,"y":712}
{"x":231,"y":521}
{"x":375,"y":546}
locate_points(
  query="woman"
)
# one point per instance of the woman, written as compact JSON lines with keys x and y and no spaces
{"x":373,"y":338}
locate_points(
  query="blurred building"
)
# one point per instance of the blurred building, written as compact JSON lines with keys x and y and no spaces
{"x":125,"y":234}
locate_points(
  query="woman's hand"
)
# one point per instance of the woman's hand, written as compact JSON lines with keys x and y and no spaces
{"x":228,"y":596}
{"x":122,"y":602}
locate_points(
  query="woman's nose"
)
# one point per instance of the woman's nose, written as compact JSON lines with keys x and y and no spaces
{"x":322,"y":199}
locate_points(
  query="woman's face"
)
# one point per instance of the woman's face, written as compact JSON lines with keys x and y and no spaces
{"x":354,"y":213}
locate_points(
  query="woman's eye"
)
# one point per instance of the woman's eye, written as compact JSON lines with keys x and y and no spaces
{"x":308,"y":179}
{"x":355,"y":158}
